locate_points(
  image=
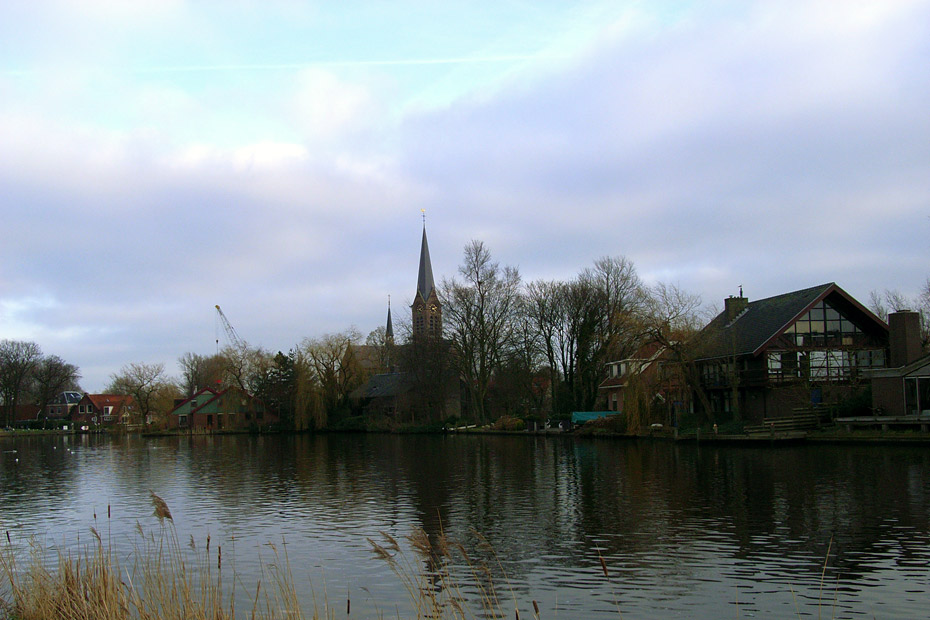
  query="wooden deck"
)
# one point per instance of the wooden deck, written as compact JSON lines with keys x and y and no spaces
{"x":885,"y":422}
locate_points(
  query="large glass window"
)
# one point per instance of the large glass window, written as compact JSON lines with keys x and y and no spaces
{"x":823,"y":325}
{"x":822,"y":364}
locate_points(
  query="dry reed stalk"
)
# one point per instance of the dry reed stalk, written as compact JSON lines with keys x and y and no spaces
{"x":161,"y":508}
{"x":613,"y":590}
{"x":823,"y":574}
{"x":161,"y":585}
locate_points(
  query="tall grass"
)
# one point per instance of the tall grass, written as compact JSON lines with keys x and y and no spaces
{"x":161,"y":582}
{"x":164,"y":579}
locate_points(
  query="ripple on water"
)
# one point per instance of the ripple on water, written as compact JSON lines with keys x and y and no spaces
{"x":700,"y":539}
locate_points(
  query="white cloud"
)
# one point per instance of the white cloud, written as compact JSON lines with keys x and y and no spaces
{"x":778,"y":148}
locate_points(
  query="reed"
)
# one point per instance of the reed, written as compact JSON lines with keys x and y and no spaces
{"x":165,"y":580}
{"x":161,"y":582}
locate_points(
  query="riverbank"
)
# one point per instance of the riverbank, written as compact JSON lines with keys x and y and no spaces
{"x":837,"y":435}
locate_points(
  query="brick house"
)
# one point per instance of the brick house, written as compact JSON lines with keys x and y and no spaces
{"x":230,"y":409}
{"x":650,"y":379}
{"x":59,"y":408}
{"x":104,"y":410}
{"x":766,"y":358}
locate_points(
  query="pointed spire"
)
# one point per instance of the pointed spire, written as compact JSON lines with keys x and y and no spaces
{"x":389,"y":329}
{"x":425,"y":283}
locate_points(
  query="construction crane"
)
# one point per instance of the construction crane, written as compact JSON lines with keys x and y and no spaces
{"x":231,"y":334}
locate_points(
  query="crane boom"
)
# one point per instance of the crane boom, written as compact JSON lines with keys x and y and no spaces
{"x":231,"y":334}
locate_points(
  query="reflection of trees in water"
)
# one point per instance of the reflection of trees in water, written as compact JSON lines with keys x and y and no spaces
{"x":671,"y":509}
{"x":769,"y":505}
{"x":526,"y":505}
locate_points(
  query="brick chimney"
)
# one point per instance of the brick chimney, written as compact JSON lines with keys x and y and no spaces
{"x":903,"y":338}
{"x":734,"y":305}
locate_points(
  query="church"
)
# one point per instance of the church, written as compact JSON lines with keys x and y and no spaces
{"x":422,"y":385}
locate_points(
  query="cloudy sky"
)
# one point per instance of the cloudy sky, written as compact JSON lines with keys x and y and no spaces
{"x":160,"y":157}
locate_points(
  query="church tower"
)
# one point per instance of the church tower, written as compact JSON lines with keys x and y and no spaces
{"x":426,"y":309}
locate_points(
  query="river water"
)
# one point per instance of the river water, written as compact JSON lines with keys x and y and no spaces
{"x":684,"y":531}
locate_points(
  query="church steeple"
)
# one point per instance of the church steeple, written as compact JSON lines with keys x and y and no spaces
{"x":389,"y":328}
{"x":425,"y":283}
{"x":426,"y":309}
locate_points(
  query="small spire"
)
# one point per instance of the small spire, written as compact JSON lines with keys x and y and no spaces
{"x":389,"y":329}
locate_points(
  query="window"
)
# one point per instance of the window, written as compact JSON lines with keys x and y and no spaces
{"x":824,"y":325}
{"x":822,"y":364}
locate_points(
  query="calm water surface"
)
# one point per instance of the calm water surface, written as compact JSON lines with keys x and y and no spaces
{"x":686,"y":531}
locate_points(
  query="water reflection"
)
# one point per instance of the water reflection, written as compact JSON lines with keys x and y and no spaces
{"x":684,"y":530}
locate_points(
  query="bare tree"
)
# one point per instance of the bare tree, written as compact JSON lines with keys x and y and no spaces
{"x":883,"y":304}
{"x":51,"y":376}
{"x":384,"y":346}
{"x":147,"y":385}
{"x":200,"y":371}
{"x":479,"y":314}
{"x":672,"y":317}
{"x":243,"y":364}
{"x":18,"y":360}
{"x":545,"y":308}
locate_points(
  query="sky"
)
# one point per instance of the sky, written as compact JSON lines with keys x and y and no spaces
{"x":162,"y":157}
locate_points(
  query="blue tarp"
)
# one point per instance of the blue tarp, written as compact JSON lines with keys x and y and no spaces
{"x":580,"y":417}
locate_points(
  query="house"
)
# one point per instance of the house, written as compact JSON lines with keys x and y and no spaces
{"x":26,"y":415}
{"x":59,"y":408}
{"x":230,"y":409}
{"x":647,"y":380}
{"x":903,"y":389}
{"x":766,"y":358}
{"x":104,"y":410}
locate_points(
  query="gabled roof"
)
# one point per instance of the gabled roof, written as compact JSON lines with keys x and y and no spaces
{"x":646,"y":354}
{"x":23,"y":413}
{"x":210,"y":400}
{"x":117,"y":401}
{"x":195,"y":401}
{"x":382,"y":385}
{"x":67,"y":398}
{"x":762,"y":321}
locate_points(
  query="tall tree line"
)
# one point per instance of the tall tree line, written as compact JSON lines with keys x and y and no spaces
{"x":29,"y":377}
{"x":542,"y":348}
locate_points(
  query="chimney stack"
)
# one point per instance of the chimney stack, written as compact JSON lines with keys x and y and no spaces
{"x":903,"y":338}
{"x":734,"y":305}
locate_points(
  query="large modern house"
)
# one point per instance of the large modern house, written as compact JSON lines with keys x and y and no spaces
{"x":767,"y":358}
